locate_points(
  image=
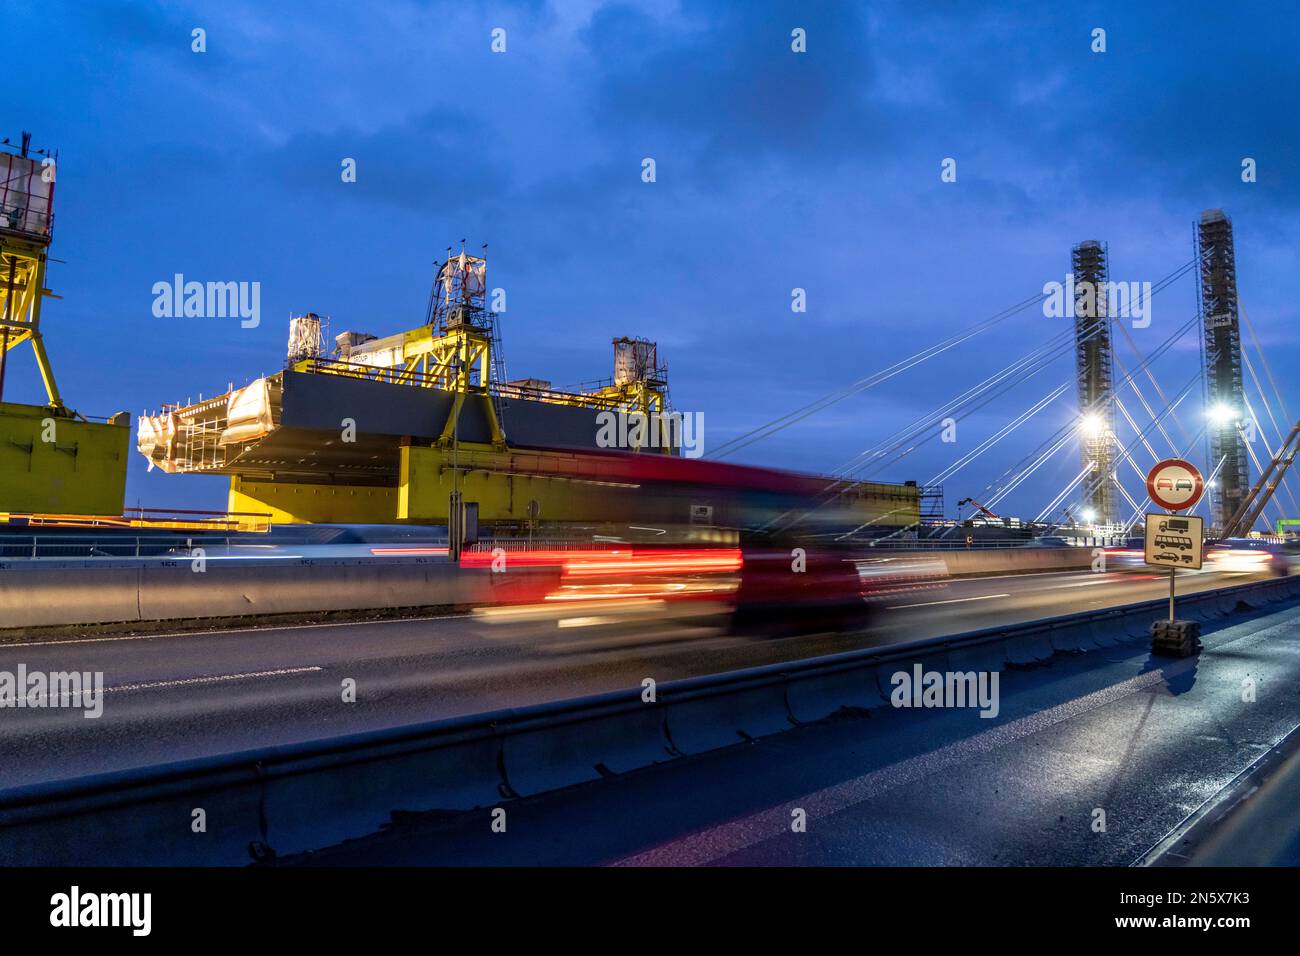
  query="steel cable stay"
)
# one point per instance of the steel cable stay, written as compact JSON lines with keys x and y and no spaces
{"x":1046,"y":456}
{"x":1041,"y":355}
{"x":1173,"y":445}
{"x":790,"y":418}
{"x":1127,"y":497}
{"x":1128,"y":377}
{"x":1150,"y":374}
{"x":1140,"y":510}
{"x":1123,"y":410}
{"x":1259,"y":429}
{"x":1128,"y":449}
{"x":1259,"y":468}
{"x":1268,"y":371}
{"x":1141,"y":436}
{"x":1056,"y":502}
{"x":1000,"y":434}
{"x":1067,"y":342}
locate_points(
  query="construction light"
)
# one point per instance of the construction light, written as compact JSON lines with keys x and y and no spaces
{"x":1092,"y":425}
{"x":1222,"y":414}
{"x":1089,"y":514}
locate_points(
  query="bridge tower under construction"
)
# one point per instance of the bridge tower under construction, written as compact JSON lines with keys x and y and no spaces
{"x":1221,"y":343}
{"x":1095,"y":363}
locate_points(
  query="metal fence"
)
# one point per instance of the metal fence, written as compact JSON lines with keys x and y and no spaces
{"x":32,"y":546}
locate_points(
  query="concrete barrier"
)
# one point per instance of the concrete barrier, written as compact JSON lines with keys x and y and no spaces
{"x":980,"y":562}
{"x":68,"y":593}
{"x":831,"y":693}
{"x":625,"y":735}
{"x":699,"y":720}
{"x":75,"y":595}
{"x":308,"y":796}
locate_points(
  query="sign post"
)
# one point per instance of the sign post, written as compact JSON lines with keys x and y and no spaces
{"x":1173,"y":541}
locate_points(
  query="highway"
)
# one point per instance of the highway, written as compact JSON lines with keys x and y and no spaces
{"x":171,"y":697}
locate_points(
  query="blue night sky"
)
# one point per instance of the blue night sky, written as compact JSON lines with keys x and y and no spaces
{"x":775,"y":170}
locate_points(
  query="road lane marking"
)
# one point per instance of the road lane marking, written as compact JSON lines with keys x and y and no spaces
{"x":187,"y":681}
{"x":981,"y":597}
{"x":215,"y":679}
{"x":227,"y":630}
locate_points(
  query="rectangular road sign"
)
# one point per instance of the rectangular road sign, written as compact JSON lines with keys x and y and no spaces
{"x":1173,"y":541}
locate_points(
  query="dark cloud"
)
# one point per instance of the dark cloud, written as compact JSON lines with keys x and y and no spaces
{"x":723,"y":81}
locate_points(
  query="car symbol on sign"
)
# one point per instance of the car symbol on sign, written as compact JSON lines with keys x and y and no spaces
{"x":1183,"y":484}
{"x":1165,"y":484}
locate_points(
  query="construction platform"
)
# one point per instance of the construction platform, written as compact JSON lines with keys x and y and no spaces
{"x":398,"y":429}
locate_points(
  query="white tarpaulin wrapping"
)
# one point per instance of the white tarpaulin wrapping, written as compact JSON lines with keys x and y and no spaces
{"x":248,"y":413}
{"x":156,"y":440}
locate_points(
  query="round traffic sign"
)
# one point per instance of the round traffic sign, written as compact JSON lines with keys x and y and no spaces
{"x":1175,"y":484}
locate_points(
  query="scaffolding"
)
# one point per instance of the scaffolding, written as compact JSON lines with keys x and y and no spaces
{"x":1095,"y":365}
{"x":1221,"y":343}
{"x":930,"y":501}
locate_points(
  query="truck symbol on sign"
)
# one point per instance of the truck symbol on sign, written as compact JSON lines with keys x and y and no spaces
{"x":1175,"y":524}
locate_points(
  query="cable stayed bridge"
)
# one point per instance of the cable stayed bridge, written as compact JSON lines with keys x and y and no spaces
{"x":1230,"y":415}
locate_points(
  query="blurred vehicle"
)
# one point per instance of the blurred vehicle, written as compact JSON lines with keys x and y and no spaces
{"x":1126,"y":558}
{"x":793,"y":590}
{"x":763,"y":588}
{"x":1248,"y":556}
{"x":1049,"y":541}
{"x":808,"y":588}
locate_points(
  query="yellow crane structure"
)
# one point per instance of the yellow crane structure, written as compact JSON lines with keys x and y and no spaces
{"x":26,"y":217}
{"x":52,"y":460}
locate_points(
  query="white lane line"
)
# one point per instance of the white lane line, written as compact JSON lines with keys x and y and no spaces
{"x":216,"y":679}
{"x":1026,"y":575}
{"x":227,"y":630}
{"x":185,"y":682}
{"x":982,"y":597}
{"x":705,"y":846}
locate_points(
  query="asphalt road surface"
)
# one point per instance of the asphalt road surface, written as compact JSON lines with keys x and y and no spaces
{"x":1092,"y":760}
{"x":170,"y":697}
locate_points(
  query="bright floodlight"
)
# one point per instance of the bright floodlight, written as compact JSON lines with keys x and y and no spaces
{"x":1092,"y":425}
{"x":1221,"y":414}
{"x":1089,"y":514}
